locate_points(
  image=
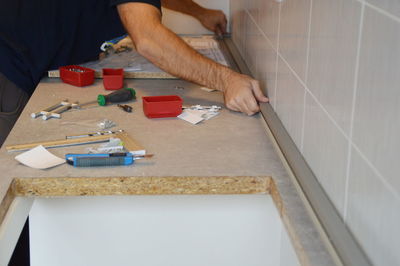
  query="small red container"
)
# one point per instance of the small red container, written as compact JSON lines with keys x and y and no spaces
{"x":162,"y":106}
{"x":77,"y":75}
{"x":113,"y":79}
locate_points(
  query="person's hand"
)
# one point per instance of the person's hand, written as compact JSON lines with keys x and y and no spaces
{"x":242,"y":94}
{"x":213,"y":20}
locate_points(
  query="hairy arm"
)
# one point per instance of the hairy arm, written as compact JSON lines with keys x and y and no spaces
{"x":166,"y":50}
{"x":211,"y":19}
{"x":184,"y":6}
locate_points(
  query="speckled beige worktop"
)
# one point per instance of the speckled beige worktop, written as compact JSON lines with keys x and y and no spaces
{"x":229,"y":154}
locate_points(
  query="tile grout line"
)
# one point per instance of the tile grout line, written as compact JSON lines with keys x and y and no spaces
{"x":306,"y":77}
{"x":381,"y":11}
{"x":395,"y":193}
{"x":261,"y":31}
{"x":308,"y":42}
{"x":352,"y":114}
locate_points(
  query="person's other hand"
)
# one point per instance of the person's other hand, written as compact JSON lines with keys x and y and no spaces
{"x":242,"y":94}
{"x":213,"y":20}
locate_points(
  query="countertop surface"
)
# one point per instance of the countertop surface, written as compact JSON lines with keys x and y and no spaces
{"x":230,"y":144}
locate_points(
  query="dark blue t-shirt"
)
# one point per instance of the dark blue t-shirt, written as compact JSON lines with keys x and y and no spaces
{"x":39,"y":35}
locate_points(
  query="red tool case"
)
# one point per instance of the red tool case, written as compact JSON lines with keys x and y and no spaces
{"x":162,"y":106}
{"x":113,"y":79}
{"x":77,"y":75}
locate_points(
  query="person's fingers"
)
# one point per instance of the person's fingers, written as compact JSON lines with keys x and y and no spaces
{"x":232,"y":105}
{"x":251,"y":106}
{"x":258,"y":92}
{"x":249,"y":109}
{"x":218,"y":31}
{"x":223,"y":25}
{"x":239,"y":105}
{"x":247,"y":103}
{"x":243,"y":107}
{"x":244,"y":95}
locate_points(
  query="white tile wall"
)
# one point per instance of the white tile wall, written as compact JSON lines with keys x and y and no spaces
{"x":373,"y":214}
{"x":344,"y":55}
{"x":268,"y":19}
{"x":325,"y":149}
{"x":377,"y":109}
{"x":261,"y":56}
{"x":293,"y":36}
{"x":238,"y":12}
{"x":252,"y":7}
{"x":290,"y":101}
{"x":332,"y":57}
{"x":266,"y":70}
{"x":251,"y":42}
{"x":260,"y":53}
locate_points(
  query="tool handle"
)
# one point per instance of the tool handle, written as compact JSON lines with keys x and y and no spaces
{"x":101,"y":159}
{"x":122,"y":95}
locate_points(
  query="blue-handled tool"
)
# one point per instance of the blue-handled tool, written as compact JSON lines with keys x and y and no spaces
{"x":110,"y":43}
{"x":102,"y":159}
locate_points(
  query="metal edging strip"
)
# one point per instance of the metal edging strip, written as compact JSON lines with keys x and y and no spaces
{"x":335,"y":231}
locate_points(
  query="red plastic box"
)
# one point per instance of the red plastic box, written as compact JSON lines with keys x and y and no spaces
{"x":162,"y":106}
{"x":113,"y":79}
{"x":77,"y":75}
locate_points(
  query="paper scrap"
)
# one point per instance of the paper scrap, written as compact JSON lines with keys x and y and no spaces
{"x":207,"y":89}
{"x":197,"y":113}
{"x":39,"y":158}
{"x":138,"y":152}
{"x":209,"y":114}
{"x":113,"y":145}
{"x":190,"y":117}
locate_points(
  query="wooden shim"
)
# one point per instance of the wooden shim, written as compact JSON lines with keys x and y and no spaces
{"x":127,"y":74}
{"x":129,"y":143}
{"x":59,"y":143}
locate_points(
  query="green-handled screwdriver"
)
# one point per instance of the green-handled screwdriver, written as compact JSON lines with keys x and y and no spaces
{"x":119,"y":96}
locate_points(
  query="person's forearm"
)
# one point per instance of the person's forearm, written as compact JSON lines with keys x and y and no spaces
{"x":184,"y":6}
{"x":166,"y":50}
{"x":213,"y":20}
